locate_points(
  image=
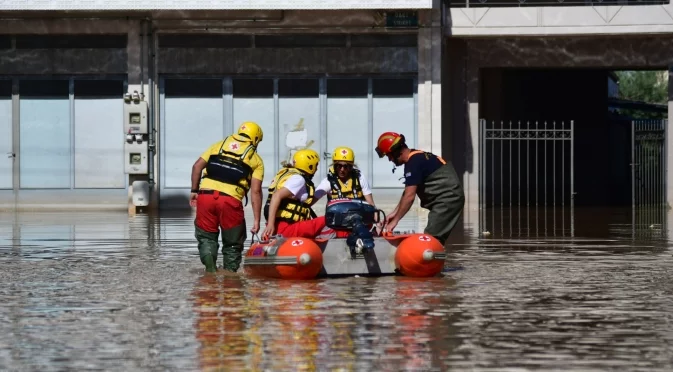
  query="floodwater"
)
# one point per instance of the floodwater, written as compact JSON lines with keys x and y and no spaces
{"x":104,"y":291}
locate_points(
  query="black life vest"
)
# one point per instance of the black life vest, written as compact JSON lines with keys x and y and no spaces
{"x":227,"y":166}
{"x":290,"y":209}
{"x":338,"y":190}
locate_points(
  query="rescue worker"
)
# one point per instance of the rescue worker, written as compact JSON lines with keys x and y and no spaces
{"x":288,"y":206}
{"x":344,"y":179}
{"x":431,"y":178}
{"x":232,"y":168}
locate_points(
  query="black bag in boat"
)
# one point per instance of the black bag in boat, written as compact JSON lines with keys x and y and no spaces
{"x":344,"y":214}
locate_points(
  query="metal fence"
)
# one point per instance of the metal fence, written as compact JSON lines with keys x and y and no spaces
{"x":648,"y":176}
{"x":526,"y":185}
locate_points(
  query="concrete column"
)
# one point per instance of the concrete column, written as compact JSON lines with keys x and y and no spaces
{"x":137,"y":81}
{"x":461,"y":128}
{"x":669,"y":141}
{"x":472,"y":160}
{"x":429,"y":132}
{"x":462,"y":116}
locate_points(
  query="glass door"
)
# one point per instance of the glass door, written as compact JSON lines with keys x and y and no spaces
{"x":8,"y":155}
{"x":393,"y":109}
{"x":348,"y":121}
{"x":299,"y":119}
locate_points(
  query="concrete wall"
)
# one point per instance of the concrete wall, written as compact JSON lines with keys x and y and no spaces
{"x":559,"y":20}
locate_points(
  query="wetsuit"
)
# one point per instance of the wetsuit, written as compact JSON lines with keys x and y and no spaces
{"x":439,"y":190}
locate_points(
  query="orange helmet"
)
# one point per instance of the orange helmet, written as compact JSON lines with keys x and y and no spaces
{"x":389,"y":142}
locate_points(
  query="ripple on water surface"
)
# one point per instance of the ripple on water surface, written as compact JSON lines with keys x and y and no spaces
{"x":108,"y":292}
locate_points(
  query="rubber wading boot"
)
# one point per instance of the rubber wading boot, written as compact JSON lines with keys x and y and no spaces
{"x":208,"y":247}
{"x":232,"y":247}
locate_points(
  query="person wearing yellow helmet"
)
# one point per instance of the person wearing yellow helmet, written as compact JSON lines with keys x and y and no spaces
{"x":288,"y":206}
{"x":344,"y":179}
{"x":232,"y":168}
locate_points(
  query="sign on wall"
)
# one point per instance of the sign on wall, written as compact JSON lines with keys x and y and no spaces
{"x":402,"y":19}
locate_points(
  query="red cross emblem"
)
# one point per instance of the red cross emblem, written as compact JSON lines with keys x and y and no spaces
{"x":344,"y":152}
{"x":244,"y":127}
{"x":296,"y":243}
{"x":424,"y":238}
{"x":234,"y":146}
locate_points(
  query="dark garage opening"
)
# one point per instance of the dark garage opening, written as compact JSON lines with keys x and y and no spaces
{"x":512,"y":101}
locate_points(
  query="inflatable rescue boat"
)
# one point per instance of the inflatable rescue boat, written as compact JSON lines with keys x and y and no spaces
{"x":360,"y":253}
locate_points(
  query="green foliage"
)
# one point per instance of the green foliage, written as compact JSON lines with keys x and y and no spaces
{"x":643,"y":86}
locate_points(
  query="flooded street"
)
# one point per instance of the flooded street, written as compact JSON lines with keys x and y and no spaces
{"x":105,"y":291}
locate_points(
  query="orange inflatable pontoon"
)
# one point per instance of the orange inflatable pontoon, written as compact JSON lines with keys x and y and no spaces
{"x":414,"y":255}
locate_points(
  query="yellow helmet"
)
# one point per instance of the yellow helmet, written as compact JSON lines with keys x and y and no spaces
{"x":306,"y":160}
{"x":249,"y":131}
{"x":343,"y":154}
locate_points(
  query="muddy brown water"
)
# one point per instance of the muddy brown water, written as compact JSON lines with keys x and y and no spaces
{"x":105,"y":291}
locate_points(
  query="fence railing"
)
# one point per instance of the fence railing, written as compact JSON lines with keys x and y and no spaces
{"x":526,"y":183}
{"x":648,"y":176}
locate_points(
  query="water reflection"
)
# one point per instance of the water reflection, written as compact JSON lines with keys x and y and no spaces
{"x":84,"y":291}
{"x":348,"y":324}
{"x":538,"y":222}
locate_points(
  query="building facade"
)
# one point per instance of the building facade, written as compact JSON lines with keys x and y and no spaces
{"x":317,"y":78}
{"x":313,"y":74}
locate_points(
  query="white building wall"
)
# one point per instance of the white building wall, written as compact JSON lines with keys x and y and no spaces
{"x":556,"y":20}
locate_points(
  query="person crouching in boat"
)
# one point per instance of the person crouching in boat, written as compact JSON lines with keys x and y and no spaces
{"x":288,"y":206}
{"x":344,"y":179}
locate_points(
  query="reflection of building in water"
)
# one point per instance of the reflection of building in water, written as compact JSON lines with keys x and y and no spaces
{"x":290,"y":324}
{"x":221,"y":309}
{"x":260,"y":326}
{"x":355,"y":324}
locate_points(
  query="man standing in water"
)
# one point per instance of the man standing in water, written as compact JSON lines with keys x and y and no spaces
{"x":431,"y":178}
{"x":233,"y":167}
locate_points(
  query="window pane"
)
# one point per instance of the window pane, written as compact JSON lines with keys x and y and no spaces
{"x":348,"y":120}
{"x":253,"y":101}
{"x":6,"y":162}
{"x":299,"y":115}
{"x":393,"y":106}
{"x":44,"y":134}
{"x":194,"y":120}
{"x":99,"y":134}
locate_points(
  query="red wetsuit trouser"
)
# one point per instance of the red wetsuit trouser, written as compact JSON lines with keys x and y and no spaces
{"x":307,"y":229}
{"x":218,"y":210}
{"x":215,"y":210}
{"x":302,"y":229}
